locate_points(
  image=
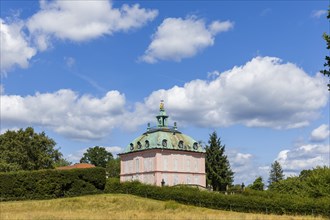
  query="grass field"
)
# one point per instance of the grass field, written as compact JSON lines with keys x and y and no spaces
{"x":119,"y":206}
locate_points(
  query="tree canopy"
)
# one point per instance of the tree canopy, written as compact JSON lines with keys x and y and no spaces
{"x":257,"y":184}
{"x":276,"y":173}
{"x":218,"y":172}
{"x":113,"y":168}
{"x":98,"y":156}
{"x":27,"y":150}
{"x":326,"y":37}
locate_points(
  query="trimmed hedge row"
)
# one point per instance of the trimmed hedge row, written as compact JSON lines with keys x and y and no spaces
{"x":246,"y":202}
{"x":47,"y":184}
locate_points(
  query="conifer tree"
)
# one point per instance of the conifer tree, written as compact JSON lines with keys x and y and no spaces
{"x":276,"y":173}
{"x":218,"y":172}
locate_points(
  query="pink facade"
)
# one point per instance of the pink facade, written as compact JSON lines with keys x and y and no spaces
{"x":173,"y":166}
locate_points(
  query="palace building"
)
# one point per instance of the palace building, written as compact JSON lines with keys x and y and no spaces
{"x":163,"y":156}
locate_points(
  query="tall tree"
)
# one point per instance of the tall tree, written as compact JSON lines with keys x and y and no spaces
{"x":218,"y":172}
{"x":113,"y":168}
{"x":276,"y":173}
{"x":98,"y":156}
{"x":257,"y":184}
{"x":27,"y":150}
{"x":326,"y":37}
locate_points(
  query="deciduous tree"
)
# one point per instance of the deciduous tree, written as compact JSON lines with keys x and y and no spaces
{"x":257,"y":184}
{"x":27,"y":150}
{"x":326,"y":37}
{"x":98,"y":156}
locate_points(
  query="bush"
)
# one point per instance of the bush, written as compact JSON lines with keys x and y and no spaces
{"x":249,"y":201}
{"x":45,"y":184}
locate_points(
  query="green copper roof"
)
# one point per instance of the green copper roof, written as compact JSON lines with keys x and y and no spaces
{"x":164,"y":137}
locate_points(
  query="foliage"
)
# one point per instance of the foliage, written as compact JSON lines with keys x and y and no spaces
{"x":310,"y":183}
{"x":113,"y":168}
{"x":27,"y":150}
{"x":326,"y":37}
{"x":249,"y":201}
{"x":275,"y":173}
{"x":98,"y":156}
{"x":44,"y":184}
{"x":257,"y":184}
{"x":218,"y":172}
{"x":62,"y":162}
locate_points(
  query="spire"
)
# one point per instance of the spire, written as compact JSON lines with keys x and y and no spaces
{"x":162,"y":116}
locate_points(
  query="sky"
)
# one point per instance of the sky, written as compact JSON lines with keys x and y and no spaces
{"x":92,"y":73}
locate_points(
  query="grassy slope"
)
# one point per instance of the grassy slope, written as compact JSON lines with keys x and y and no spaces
{"x":118,"y":206}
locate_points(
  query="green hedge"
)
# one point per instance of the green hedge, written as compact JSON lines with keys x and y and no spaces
{"x":46,"y":184}
{"x":259,"y":202}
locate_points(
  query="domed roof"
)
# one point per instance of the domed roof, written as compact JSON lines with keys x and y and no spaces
{"x":163,"y":137}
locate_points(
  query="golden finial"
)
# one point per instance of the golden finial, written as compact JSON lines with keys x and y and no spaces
{"x":161,"y":105}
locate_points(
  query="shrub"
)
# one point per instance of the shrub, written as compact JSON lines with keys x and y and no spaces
{"x":44,"y":184}
{"x":249,"y":201}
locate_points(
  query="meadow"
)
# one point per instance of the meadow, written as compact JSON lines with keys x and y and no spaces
{"x":121,"y":206}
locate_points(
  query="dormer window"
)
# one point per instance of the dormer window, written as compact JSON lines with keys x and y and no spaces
{"x":132,"y":146}
{"x":147,"y":144}
{"x":139,"y":145}
{"x":164,"y":143}
{"x":180,"y":145}
{"x":195,"y":146}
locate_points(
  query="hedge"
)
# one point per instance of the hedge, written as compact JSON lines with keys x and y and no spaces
{"x":47,"y":184}
{"x":250,"y":201}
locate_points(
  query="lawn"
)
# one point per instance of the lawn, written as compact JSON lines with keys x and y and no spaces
{"x":119,"y":206}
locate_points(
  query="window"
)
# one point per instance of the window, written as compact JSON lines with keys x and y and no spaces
{"x":195,"y":146}
{"x":139,"y":145}
{"x":180,"y":145}
{"x":145,"y":164}
{"x":196,"y":165}
{"x":137,"y":165}
{"x":164,"y":143}
{"x":188,"y":165}
{"x":196,"y":180}
{"x":188,"y":179}
{"x":165,"y":163}
{"x":147,"y":144}
{"x":175,"y":164}
{"x":131,"y":146}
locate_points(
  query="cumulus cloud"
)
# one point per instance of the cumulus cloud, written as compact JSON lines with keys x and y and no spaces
{"x":77,"y":155}
{"x":246,"y":168}
{"x":303,"y":157}
{"x":85,"y":20}
{"x":66,"y":20}
{"x":15,"y":49}
{"x":320,"y":134}
{"x":265,"y":92}
{"x":177,"y":38}
{"x":65,"y":112}
{"x":318,"y":13}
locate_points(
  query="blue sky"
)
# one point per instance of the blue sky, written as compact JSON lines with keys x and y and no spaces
{"x":93,"y":73}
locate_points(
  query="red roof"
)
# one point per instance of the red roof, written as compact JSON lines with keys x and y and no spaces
{"x":76,"y":166}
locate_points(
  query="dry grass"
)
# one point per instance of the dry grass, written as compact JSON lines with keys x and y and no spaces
{"x":118,"y":206}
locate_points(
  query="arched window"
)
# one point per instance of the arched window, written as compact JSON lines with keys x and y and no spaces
{"x":195,"y":146}
{"x":139,"y":145}
{"x":180,"y":145}
{"x":132,"y":146}
{"x":164,"y":143}
{"x":147,"y":144}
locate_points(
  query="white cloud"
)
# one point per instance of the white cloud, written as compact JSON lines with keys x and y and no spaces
{"x":77,"y":155}
{"x":85,"y":20}
{"x":15,"y":49}
{"x":114,"y":150}
{"x":77,"y":117}
{"x":66,"y":20}
{"x":178,"y":38}
{"x":303,"y":157}
{"x":318,"y":13}
{"x":265,"y":92}
{"x":321,"y":133}
{"x":245,"y":167}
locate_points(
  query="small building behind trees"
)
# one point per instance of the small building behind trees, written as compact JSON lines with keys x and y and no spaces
{"x":164,"y":156}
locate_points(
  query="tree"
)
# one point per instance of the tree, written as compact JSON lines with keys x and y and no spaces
{"x":276,"y":173}
{"x":218,"y":172}
{"x":326,"y":37}
{"x":113,"y":168}
{"x":257,"y":184}
{"x":98,"y":156}
{"x":27,"y":150}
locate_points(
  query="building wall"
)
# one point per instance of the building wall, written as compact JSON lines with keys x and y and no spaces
{"x":175,"y":167}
